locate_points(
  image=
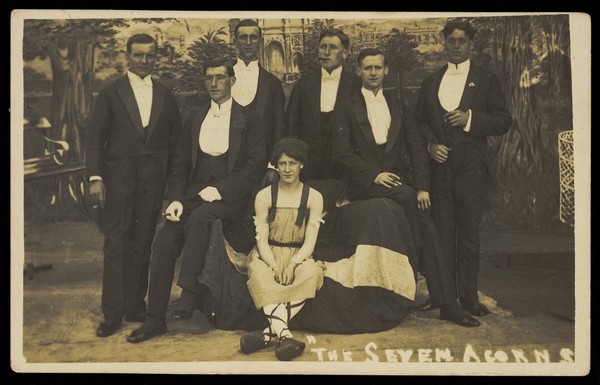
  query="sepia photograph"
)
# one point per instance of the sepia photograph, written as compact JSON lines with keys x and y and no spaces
{"x":284,"y":192}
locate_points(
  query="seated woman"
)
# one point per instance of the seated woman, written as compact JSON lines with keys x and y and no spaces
{"x":281,"y":272}
{"x":369,"y":262}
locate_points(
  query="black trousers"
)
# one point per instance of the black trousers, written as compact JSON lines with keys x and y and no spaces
{"x":458,"y":196}
{"x":433,"y":265}
{"x":190,"y":235}
{"x":134,"y":195}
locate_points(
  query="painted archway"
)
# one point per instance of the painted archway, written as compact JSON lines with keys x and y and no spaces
{"x":297,"y":63}
{"x":275,"y":59}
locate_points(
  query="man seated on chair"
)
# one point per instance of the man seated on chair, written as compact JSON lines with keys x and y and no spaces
{"x":220,"y":159}
{"x":378,"y":143}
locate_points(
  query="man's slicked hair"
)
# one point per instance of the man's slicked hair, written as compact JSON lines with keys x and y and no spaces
{"x":370,"y":52}
{"x":460,"y":25}
{"x":335,"y":32}
{"x":247,"y":23}
{"x":219,"y":62}
{"x":141,"y":38}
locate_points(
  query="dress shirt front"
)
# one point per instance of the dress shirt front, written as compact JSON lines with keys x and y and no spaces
{"x":142,"y":89}
{"x":246,"y":83}
{"x":379,"y":114}
{"x":452,"y":87}
{"x":214,"y":131}
{"x":329,"y":87}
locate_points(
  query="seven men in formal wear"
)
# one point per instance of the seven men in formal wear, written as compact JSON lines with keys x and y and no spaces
{"x":354,"y":129}
{"x":131,"y":142}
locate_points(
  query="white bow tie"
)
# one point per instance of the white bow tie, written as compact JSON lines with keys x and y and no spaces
{"x":372,"y":98}
{"x":146,"y":82}
{"x":218,"y":113}
{"x":452,"y":70}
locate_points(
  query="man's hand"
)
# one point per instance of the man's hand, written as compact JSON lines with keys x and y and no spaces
{"x":210,"y":194}
{"x":387,"y":179}
{"x":97,"y":193}
{"x":174,"y":211}
{"x":271,"y":177}
{"x":438,"y":152}
{"x":287,"y":276}
{"x":423,"y":200}
{"x":456,"y":118}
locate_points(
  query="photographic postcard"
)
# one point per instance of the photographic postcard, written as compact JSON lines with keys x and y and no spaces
{"x":536,"y":284}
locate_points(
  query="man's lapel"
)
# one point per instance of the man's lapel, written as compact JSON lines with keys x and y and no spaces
{"x":314,"y":95}
{"x":128,"y":98}
{"x":395,"y":125}
{"x":262,"y":92}
{"x":344,"y":89}
{"x":438,"y":127}
{"x":359,"y":108}
{"x":236,"y":127}
{"x":158,"y":98}
{"x":196,"y":124}
{"x":470,"y":88}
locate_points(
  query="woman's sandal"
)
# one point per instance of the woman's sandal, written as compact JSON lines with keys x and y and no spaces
{"x":254,"y":341}
{"x":257,"y":340}
{"x":289,"y":348}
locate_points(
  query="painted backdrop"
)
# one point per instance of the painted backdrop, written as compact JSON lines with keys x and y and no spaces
{"x":67,"y":61}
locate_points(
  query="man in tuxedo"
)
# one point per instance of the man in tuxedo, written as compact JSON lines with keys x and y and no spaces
{"x":376,"y":140}
{"x":313,"y":101}
{"x":255,"y":87}
{"x":131,"y":141}
{"x":458,"y":107}
{"x":220,"y":158}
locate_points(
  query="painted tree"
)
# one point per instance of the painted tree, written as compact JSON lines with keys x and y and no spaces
{"x":71,"y":46}
{"x":530,"y":54}
{"x":399,"y":49}
{"x":209,"y":46}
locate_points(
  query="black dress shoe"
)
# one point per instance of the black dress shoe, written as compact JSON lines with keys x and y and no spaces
{"x":460,"y":319}
{"x":427,"y":306}
{"x":138,"y":317}
{"x":108,"y":328}
{"x":478,"y":309}
{"x":145,"y":333}
{"x":182,"y":314}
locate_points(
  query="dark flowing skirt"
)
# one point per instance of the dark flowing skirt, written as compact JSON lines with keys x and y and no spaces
{"x":369,"y":283}
{"x":370,"y":270}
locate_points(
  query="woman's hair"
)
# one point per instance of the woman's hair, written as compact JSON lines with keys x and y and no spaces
{"x":292,"y":147}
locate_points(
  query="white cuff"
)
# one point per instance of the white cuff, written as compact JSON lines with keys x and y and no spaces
{"x":467,"y":127}
{"x":95,"y":177}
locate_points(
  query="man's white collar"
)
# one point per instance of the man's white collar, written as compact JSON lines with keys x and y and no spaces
{"x":252,"y":65}
{"x":460,"y":68}
{"x":369,"y":95}
{"x":223,"y":108}
{"x":133,"y":78}
{"x":336,"y":74}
